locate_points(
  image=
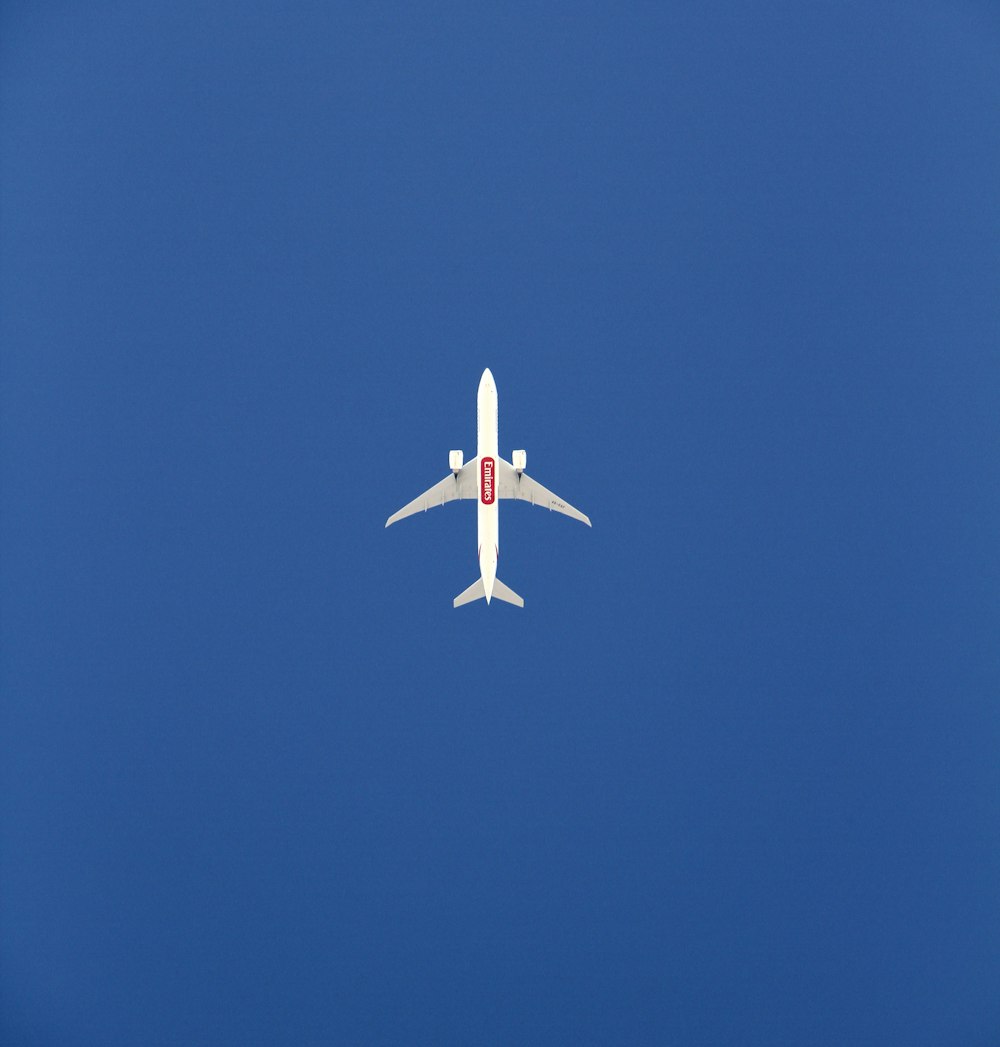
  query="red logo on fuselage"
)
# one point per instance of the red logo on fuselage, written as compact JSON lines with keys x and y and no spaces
{"x":486,"y":491}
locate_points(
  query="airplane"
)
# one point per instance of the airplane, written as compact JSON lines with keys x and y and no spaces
{"x":488,"y":478}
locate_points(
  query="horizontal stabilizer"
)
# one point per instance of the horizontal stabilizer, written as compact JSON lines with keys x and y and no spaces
{"x":501,"y":592}
{"x":477,"y":592}
{"x":474,"y":592}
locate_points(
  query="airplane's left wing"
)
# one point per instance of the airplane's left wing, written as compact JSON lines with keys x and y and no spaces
{"x":511,"y":484}
{"x":464,"y":484}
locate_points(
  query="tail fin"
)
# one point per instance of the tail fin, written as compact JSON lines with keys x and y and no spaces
{"x":501,"y":592}
{"x":474,"y":592}
{"x":477,"y":592}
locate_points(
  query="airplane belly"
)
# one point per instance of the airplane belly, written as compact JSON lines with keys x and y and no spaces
{"x":489,"y":546}
{"x":488,"y":530}
{"x":486,"y":409}
{"x":488,"y":519}
{"x":489,"y":534}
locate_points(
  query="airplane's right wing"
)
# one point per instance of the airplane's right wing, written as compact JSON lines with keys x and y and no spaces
{"x":463,"y":485}
{"x":512,"y":485}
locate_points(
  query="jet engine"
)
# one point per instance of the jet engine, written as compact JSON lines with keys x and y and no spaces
{"x":519,"y":459}
{"x":455,"y":461}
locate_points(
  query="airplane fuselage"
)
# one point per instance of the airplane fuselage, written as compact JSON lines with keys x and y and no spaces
{"x":487,"y":451}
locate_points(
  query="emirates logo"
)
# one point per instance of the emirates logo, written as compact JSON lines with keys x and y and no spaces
{"x":486,"y":490}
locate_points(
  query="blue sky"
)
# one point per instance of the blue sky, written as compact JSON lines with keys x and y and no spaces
{"x":732,"y":774}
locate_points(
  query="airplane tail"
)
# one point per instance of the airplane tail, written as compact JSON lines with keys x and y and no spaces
{"x":501,"y":592}
{"x":477,"y":592}
{"x":474,"y":592}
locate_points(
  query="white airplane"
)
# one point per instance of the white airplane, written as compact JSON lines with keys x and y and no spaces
{"x":488,"y":478}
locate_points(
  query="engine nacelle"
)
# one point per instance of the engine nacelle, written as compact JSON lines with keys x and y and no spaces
{"x":455,"y":461}
{"x":519,"y":459}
